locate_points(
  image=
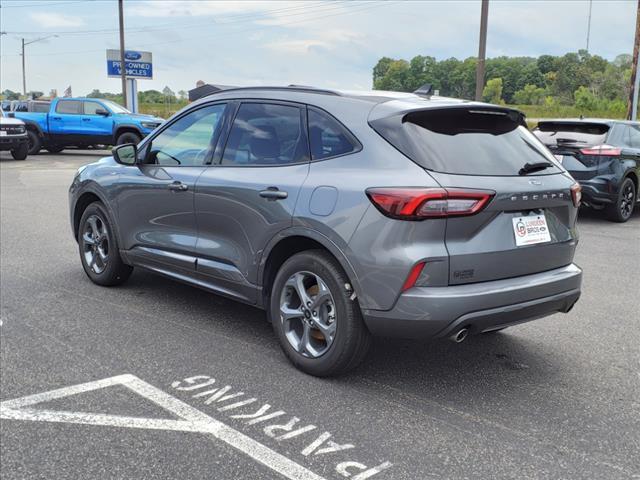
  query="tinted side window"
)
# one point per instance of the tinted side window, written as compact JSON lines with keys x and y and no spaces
{"x":327,"y":137}
{"x":22,"y":107}
{"x":69,"y":106}
{"x":91,"y":107}
{"x":266,"y":134}
{"x":187,"y":141}
{"x":40,"y":107}
{"x":634,"y":137}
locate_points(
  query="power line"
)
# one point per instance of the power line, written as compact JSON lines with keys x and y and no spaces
{"x":32,"y":5}
{"x":219,"y":21}
{"x":368,"y":6}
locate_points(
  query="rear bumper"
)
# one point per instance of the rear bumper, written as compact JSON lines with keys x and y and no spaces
{"x":427,"y":312}
{"x":598,"y":191}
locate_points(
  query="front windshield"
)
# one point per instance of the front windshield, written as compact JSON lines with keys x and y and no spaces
{"x":115,"y":108}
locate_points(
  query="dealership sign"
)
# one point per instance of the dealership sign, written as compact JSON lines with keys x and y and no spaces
{"x":137,"y":64}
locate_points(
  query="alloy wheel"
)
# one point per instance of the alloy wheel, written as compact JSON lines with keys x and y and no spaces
{"x":308,"y":314}
{"x":95,"y":241}
{"x":627,"y":200}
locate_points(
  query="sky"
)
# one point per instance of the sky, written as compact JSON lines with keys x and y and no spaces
{"x":330,"y":44}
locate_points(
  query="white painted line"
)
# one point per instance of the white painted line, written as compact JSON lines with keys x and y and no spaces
{"x":191,"y":420}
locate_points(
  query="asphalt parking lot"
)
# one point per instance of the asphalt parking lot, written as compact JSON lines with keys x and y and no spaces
{"x":173,"y":382}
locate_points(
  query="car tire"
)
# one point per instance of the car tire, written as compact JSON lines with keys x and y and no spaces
{"x":54,"y":148}
{"x":622,"y":209}
{"x":128,"y":137}
{"x":21,"y":152}
{"x":323,"y":354}
{"x":98,"y":248}
{"x":35,"y":142}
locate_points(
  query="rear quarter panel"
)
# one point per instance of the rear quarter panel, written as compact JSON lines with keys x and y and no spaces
{"x":332,"y":201}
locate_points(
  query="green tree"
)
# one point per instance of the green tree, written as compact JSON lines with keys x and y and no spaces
{"x":381,"y":68}
{"x":10,"y":95}
{"x":396,"y":77}
{"x":492,"y":92}
{"x":530,"y":95}
{"x":585,"y":99}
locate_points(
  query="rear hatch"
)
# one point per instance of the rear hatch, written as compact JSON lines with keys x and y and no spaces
{"x":577,"y":145}
{"x":529,"y":224}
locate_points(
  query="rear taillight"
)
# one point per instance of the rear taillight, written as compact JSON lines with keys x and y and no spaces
{"x":412,"y":203}
{"x":576,"y":194}
{"x":606,"y":150}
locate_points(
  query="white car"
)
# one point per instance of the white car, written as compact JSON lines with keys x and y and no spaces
{"x":13,"y":136}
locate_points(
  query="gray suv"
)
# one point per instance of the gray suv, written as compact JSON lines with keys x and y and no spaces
{"x":342,"y":214}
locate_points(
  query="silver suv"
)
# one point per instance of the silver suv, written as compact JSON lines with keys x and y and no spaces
{"x":342,"y":214}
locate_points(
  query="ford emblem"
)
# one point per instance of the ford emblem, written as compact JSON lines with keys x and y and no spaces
{"x":131,"y":55}
{"x":535,"y":182}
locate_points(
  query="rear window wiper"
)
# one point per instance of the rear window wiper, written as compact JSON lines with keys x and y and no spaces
{"x":534,"y":167}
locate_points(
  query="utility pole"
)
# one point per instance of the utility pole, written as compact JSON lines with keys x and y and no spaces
{"x":482,"y":50}
{"x":123,"y":73}
{"x":632,"y":106}
{"x":589,"y":24}
{"x":24,"y":75}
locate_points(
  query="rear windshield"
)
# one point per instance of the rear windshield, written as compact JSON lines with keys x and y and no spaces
{"x":466,"y":141}
{"x":567,"y":133}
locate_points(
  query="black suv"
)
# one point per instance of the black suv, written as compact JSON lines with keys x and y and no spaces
{"x":603,"y":155}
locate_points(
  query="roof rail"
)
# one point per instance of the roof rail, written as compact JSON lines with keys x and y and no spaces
{"x":289,"y":88}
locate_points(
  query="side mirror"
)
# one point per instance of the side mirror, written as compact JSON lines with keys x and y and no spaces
{"x":102,"y":111}
{"x":126,"y":154}
{"x":11,"y":115}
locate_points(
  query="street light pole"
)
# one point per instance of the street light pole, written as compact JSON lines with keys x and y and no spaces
{"x":482,"y":49}
{"x":123,"y":73}
{"x":24,"y":74}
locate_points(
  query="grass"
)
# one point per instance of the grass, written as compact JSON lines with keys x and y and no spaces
{"x":162,"y":110}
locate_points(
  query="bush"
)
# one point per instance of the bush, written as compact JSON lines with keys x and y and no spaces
{"x":492,"y":92}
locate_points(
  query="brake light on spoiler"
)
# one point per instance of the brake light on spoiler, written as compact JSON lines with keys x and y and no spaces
{"x":414,"y":203}
{"x":606,"y":150}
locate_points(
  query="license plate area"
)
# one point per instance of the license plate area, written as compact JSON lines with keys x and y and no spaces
{"x":531,"y":229}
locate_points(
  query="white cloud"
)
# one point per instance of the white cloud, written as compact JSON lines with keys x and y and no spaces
{"x":295,"y":46}
{"x":49,"y":20}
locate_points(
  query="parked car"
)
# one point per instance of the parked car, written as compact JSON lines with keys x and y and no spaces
{"x":13,"y":136}
{"x":83,"y":122}
{"x":603,"y":155}
{"x":342,"y":214}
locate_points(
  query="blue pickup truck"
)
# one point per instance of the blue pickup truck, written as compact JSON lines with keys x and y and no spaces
{"x":83,"y":122}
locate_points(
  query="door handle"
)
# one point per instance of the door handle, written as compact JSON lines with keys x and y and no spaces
{"x":56,"y":118}
{"x":178,"y":186}
{"x":272,"y":193}
{"x":86,"y":119}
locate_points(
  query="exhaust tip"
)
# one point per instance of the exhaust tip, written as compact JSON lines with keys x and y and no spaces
{"x":460,"y":335}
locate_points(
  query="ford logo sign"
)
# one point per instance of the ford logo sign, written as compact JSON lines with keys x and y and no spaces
{"x":535,"y":182}
{"x":131,"y":55}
